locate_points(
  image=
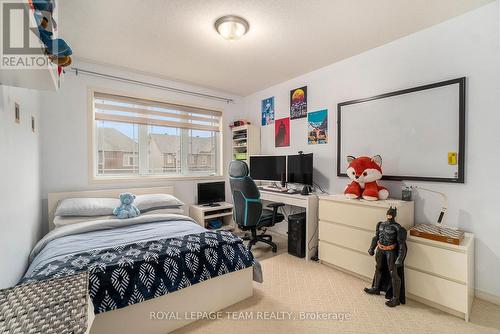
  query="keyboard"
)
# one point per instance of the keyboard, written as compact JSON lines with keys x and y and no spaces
{"x":273,"y":189}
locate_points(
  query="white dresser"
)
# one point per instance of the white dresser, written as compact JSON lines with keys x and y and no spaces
{"x":346,"y":229}
{"x":436,"y":273}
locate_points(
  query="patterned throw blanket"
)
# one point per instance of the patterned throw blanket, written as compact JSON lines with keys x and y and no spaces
{"x":132,"y":273}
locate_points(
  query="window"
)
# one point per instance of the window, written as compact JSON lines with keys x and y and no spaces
{"x":135,"y":137}
{"x":130,"y":160}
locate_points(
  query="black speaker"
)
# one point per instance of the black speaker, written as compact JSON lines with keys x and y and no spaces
{"x":297,"y":234}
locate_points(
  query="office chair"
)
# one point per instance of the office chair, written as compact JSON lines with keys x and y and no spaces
{"x":248,"y":212}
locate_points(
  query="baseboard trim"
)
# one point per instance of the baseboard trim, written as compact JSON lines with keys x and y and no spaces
{"x":486,"y":296}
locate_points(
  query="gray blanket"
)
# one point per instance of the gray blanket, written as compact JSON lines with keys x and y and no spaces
{"x":112,"y":232}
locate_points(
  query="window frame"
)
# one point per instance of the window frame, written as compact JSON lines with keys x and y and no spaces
{"x":92,"y":141}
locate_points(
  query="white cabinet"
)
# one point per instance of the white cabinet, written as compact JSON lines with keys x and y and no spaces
{"x":441,"y":274}
{"x":436,"y":273}
{"x":203,"y":214}
{"x":346,"y":229}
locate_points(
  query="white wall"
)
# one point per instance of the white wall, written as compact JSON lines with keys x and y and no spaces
{"x":65,"y":133}
{"x":19,"y":182}
{"x":464,"y":46}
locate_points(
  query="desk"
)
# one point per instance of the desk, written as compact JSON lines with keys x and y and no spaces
{"x":308,"y":202}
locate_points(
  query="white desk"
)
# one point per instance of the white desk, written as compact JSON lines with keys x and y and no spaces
{"x":310,"y":203}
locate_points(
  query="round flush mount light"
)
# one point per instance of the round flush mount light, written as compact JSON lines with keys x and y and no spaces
{"x":231,"y":27}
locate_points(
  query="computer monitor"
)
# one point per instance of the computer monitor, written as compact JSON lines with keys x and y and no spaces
{"x":268,"y":167}
{"x":211,"y":192}
{"x":300,"y":169}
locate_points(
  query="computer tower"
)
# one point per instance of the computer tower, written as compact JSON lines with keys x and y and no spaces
{"x":297,"y":234}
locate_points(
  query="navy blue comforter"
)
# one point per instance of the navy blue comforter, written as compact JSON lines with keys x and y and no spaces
{"x":128,"y":274}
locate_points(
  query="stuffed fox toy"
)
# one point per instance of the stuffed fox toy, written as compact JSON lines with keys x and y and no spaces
{"x":364,"y":173}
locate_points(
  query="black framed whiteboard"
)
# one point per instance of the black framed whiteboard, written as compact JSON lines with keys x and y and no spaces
{"x":419,"y":132}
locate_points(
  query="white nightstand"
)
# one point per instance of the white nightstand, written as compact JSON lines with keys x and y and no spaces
{"x":204,"y":214}
{"x":441,"y":274}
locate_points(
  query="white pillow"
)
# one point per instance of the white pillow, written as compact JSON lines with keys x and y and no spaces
{"x":63,"y":221}
{"x":87,"y":207}
{"x":177,"y":211}
{"x":68,"y":220}
{"x":156,"y":201}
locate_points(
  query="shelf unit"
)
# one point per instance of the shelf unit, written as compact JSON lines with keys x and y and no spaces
{"x":204,"y":214}
{"x":245,"y":142}
{"x":42,"y":78}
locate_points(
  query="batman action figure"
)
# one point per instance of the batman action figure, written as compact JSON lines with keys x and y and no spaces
{"x":390,"y":244}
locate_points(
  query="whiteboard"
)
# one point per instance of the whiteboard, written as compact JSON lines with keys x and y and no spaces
{"x":413,"y":130}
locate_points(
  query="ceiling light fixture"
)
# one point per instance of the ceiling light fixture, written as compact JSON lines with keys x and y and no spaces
{"x":231,"y":27}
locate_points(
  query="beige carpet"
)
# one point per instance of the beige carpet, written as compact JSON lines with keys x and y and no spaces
{"x":294,"y":285}
{"x":262,"y":251}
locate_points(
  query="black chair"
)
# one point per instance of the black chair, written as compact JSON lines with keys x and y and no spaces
{"x":248,"y":212}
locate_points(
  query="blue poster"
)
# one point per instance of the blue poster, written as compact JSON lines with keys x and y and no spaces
{"x":317,"y":127}
{"x":267,"y":110}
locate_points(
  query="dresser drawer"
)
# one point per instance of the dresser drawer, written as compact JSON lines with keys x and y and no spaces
{"x":353,"y":261}
{"x":438,"y":290}
{"x":346,"y":236}
{"x":361,"y":216}
{"x":438,"y":261}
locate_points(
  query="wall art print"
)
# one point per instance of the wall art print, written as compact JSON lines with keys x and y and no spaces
{"x":298,"y":103}
{"x":282,"y":132}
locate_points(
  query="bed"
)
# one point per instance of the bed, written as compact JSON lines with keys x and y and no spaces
{"x":149,"y":274}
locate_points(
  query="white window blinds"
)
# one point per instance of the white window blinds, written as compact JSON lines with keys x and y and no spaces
{"x":138,"y":137}
{"x":116,"y":108}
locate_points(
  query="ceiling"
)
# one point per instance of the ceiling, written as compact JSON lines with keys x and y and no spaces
{"x":175,"y":39}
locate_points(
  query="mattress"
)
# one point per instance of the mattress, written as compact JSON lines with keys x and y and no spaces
{"x":137,"y":259}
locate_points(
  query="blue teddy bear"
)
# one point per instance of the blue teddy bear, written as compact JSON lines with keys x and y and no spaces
{"x":126,"y":209}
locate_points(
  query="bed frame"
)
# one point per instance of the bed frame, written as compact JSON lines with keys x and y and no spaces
{"x":156,"y":315}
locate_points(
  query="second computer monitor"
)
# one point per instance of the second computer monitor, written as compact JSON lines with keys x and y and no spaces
{"x":268,"y":167}
{"x":300,"y":169}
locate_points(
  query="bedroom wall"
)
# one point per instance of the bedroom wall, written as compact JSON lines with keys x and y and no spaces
{"x":20,"y":182}
{"x":65,"y":133}
{"x":464,"y":46}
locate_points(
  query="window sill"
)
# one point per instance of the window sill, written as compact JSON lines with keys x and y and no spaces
{"x":146,"y":179}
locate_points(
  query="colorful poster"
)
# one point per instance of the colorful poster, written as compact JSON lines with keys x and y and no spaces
{"x":267,"y":109}
{"x":298,"y":103}
{"x":282,"y":132}
{"x":317,"y":127}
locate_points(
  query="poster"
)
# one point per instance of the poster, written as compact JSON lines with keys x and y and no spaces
{"x":282,"y":132}
{"x":267,"y":109}
{"x":317,"y":127}
{"x":298,"y":103}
